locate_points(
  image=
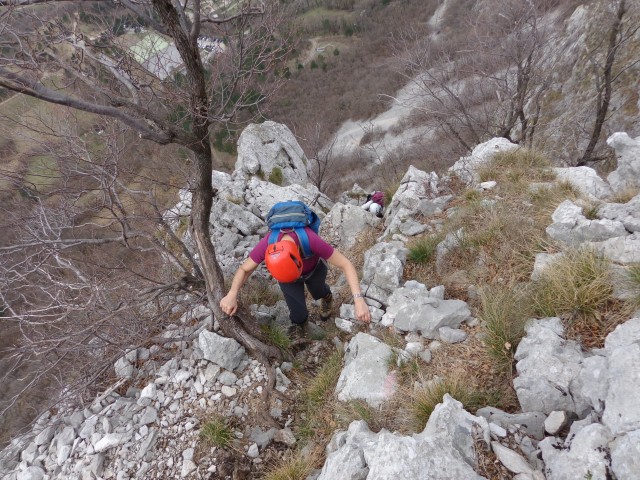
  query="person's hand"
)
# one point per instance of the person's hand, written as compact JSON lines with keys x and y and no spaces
{"x":362,"y":310}
{"x":229,"y":304}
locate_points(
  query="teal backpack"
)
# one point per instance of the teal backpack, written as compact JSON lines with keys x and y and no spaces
{"x":293,"y":215}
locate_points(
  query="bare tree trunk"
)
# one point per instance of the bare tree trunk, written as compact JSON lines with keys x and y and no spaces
{"x":236,"y":327}
{"x":604,"y":88}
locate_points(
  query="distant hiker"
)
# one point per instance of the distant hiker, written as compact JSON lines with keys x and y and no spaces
{"x":295,"y":256}
{"x":375,"y":203}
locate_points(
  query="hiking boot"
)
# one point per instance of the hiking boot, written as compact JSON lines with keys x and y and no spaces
{"x":306,"y":330}
{"x":325,"y":307}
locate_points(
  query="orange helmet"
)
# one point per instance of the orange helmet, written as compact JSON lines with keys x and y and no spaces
{"x":283,"y":261}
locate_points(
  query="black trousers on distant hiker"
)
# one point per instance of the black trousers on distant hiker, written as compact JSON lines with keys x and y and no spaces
{"x":294,"y":292}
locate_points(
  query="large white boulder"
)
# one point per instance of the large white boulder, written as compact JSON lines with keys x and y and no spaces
{"x":366,"y":374}
{"x":627,"y":175}
{"x":585,"y":179}
{"x":467,"y":167}
{"x":271,"y":150}
{"x":443,"y":451}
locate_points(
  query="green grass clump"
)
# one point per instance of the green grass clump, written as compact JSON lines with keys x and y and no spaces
{"x":590,"y":210}
{"x":390,"y":191}
{"x":318,"y":403}
{"x":322,"y":385}
{"x":361,"y":410}
{"x":217,"y":432}
{"x":424,"y":400}
{"x":260,"y":291}
{"x":633,"y":282}
{"x":505,"y":310}
{"x":423,"y":249}
{"x":276,"y":176}
{"x":578,"y":283}
{"x":277,"y":335}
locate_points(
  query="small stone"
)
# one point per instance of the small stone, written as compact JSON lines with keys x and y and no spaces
{"x":253,"y":451}
{"x":555,"y":422}
{"x":285,"y":436}
{"x":228,"y":391}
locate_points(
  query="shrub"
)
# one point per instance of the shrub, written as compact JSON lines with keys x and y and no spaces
{"x":578,"y":283}
{"x":217,"y":432}
{"x":505,"y":311}
{"x":423,"y":249}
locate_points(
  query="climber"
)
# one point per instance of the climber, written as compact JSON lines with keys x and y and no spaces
{"x":286,"y":265}
{"x":375,"y":203}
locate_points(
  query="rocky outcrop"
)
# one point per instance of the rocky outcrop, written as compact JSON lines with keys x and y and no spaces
{"x":344,"y":223}
{"x":585,"y":180}
{"x":382,"y":271}
{"x":627,"y":174}
{"x":572,"y":228}
{"x":269,"y":150}
{"x":579,"y":413}
{"x":413,"y":308}
{"x":597,"y":388}
{"x":417,"y":195}
{"x":467,"y":167}
{"x":445,"y":446}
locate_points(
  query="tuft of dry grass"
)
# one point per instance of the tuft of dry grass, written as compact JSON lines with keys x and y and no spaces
{"x":517,"y":168}
{"x":423,"y":400}
{"x":260,"y":291}
{"x":505,"y":310}
{"x":624,"y":196}
{"x":359,"y":410}
{"x":577,"y":283}
{"x":297,"y":466}
{"x":632,"y":283}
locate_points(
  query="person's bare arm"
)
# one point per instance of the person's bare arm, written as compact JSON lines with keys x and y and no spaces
{"x":362,"y":309}
{"x":229,"y":303}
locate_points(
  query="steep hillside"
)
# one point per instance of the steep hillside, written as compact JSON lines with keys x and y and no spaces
{"x":339,"y":111}
{"x":503,"y":340}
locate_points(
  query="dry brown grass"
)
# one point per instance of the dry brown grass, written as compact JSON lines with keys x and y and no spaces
{"x":624,"y":196}
{"x":468,"y":374}
{"x":296,"y":465}
{"x":579,"y":289}
{"x":591,"y":330}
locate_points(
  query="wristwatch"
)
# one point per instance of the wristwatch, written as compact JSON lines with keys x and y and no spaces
{"x":358,"y":295}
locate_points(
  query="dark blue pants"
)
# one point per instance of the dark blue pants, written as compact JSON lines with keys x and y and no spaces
{"x":294,"y":292}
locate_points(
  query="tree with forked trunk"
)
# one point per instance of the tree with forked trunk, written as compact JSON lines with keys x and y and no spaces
{"x":170,"y":91}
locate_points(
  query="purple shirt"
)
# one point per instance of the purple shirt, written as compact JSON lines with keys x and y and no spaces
{"x":319,"y":248}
